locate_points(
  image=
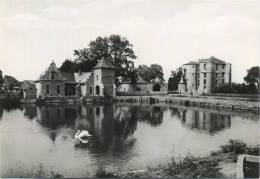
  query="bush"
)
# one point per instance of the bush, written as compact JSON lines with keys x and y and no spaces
{"x":191,"y":167}
{"x":239,"y":147}
{"x":236,"y":88}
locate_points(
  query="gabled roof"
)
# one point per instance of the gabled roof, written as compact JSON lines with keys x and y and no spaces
{"x":104,"y":63}
{"x":28,"y":83}
{"x":212,"y":60}
{"x":53,"y":67}
{"x":82,"y":77}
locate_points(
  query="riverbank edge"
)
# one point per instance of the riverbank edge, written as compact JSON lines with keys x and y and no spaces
{"x":215,"y":102}
{"x":199,"y":101}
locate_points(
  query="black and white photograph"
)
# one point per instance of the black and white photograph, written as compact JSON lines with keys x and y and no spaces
{"x":129,"y":88}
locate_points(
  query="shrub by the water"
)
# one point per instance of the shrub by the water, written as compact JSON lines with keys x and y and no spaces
{"x":192,"y":167}
{"x":238,"y":147}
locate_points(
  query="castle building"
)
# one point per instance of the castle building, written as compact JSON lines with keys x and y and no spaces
{"x":202,"y":76}
{"x":102,"y":80}
{"x":99,"y":82}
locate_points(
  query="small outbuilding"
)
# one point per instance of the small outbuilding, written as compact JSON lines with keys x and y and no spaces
{"x":28,"y":89}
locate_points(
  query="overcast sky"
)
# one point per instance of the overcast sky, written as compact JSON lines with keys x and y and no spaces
{"x":167,"y":32}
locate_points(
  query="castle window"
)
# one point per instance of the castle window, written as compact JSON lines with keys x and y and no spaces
{"x":47,"y":89}
{"x":58,"y":89}
{"x":52,"y":76}
{"x":205,"y":81}
{"x":205,"y":75}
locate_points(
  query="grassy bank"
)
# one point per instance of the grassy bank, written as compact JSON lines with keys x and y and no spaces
{"x":213,"y":166}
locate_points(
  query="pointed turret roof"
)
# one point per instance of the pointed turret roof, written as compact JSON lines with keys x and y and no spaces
{"x":104,"y":63}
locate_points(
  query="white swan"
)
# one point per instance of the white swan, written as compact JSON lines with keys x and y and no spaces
{"x":82,"y":134}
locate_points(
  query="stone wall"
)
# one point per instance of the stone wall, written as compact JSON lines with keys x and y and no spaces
{"x":108,"y":80}
{"x":53,"y":85}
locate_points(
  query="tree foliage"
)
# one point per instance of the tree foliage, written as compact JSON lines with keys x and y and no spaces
{"x":150,"y":73}
{"x":253,"y":76}
{"x":236,"y":88}
{"x":174,"y":79}
{"x":68,"y":66}
{"x":115,"y":48}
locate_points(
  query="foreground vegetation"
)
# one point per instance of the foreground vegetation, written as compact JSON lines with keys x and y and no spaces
{"x":191,"y":166}
{"x":186,"y":167}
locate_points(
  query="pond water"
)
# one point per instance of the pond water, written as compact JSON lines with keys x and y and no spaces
{"x":124,"y":137}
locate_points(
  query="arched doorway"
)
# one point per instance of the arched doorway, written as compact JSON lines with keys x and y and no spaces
{"x":157,"y":87}
{"x":97,"y":90}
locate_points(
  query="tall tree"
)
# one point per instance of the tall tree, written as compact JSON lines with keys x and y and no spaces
{"x":253,"y":76}
{"x":174,"y":79}
{"x":156,"y":71}
{"x":144,"y":72}
{"x":150,"y":73}
{"x":115,"y":48}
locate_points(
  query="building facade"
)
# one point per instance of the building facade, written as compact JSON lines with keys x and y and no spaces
{"x":202,"y":76}
{"x":28,"y":89}
{"x":99,"y":82}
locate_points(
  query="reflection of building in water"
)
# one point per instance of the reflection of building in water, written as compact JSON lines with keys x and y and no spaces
{"x":54,"y":117}
{"x":30,"y":111}
{"x":205,"y":120}
{"x":82,"y":122}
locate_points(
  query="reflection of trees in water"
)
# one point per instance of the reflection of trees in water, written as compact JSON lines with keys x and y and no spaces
{"x":112,"y":127}
{"x":30,"y":111}
{"x":150,"y":114}
{"x":10,"y":105}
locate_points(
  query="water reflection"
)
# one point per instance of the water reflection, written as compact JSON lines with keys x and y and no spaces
{"x":30,"y":111}
{"x":56,"y":116}
{"x":124,"y":136}
{"x":202,"y":120}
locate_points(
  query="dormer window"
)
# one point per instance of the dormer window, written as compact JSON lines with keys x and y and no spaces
{"x":205,"y":65}
{"x":52,"y":76}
